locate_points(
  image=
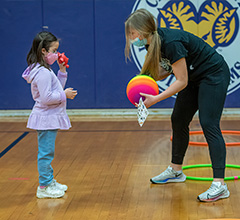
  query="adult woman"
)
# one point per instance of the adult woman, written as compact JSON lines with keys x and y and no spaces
{"x":202,"y":79}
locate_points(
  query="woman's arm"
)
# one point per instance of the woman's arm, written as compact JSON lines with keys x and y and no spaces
{"x":181,"y":74}
{"x":163,"y":73}
{"x":165,"y":69}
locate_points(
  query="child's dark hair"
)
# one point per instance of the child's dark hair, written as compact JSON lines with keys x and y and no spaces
{"x":41,"y":40}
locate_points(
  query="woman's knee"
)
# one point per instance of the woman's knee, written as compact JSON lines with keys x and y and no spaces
{"x":209,"y":124}
{"x":179,"y":121}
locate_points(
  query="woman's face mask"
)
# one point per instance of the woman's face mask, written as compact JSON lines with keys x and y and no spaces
{"x":51,"y":58}
{"x":139,"y":43}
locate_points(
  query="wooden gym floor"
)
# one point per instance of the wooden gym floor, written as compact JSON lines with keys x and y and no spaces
{"x":107,"y":166}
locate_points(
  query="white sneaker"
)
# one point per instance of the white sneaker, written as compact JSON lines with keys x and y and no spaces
{"x":59,"y":186}
{"x":49,"y":191}
{"x":215,"y":192}
{"x":169,"y":176}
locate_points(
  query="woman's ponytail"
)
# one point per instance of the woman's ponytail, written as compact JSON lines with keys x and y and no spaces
{"x":146,"y":25}
{"x":153,"y":57}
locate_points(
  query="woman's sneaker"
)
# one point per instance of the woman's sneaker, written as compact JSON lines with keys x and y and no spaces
{"x":49,"y":191}
{"x":215,"y":192}
{"x":169,"y":176}
{"x":59,"y":186}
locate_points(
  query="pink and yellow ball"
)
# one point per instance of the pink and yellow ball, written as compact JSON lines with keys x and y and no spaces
{"x":141,"y":84}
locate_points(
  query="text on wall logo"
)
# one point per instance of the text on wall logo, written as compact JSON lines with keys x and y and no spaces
{"x":216,"y":22}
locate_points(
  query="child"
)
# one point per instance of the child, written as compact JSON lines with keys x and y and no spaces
{"x":202,"y":79}
{"x":49,"y":112}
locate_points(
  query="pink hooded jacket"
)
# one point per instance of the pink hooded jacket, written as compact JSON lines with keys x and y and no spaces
{"x":49,"y":111}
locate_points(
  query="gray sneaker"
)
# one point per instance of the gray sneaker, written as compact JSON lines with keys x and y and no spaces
{"x":49,"y":191}
{"x":59,"y":186}
{"x":169,"y":176}
{"x":215,"y":192}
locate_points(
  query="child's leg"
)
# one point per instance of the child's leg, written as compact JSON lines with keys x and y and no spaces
{"x":46,"y":149}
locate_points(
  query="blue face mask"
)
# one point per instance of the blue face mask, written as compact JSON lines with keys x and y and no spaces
{"x":139,"y":43}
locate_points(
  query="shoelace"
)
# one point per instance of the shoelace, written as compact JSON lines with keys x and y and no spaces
{"x":53,"y":184}
{"x":168,"y":171}
{"x":212,"y":189}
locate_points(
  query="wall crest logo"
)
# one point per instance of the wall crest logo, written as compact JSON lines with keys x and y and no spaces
{"x":216,"y":22}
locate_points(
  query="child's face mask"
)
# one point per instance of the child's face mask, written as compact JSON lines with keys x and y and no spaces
{"x":51,"y":58}
{"x":139,"y":43}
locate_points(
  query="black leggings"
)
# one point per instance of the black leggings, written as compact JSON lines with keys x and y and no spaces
{"x":207,"y":96}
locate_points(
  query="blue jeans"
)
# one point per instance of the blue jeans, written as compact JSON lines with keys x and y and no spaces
{"x":46,"y":149}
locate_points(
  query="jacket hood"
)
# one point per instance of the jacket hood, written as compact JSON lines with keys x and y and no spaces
{"x":31,"y":72}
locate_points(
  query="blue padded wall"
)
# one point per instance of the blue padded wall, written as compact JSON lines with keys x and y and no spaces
{"x":19,"y":20}
{"x":112,"y":73}
{"x":73,"y":23}
{"x":92,"y":36}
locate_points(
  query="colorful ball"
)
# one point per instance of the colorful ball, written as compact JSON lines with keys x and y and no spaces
{"x":141,"y":84}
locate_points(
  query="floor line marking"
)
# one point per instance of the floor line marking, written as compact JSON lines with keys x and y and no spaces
{"x":13,"y":144}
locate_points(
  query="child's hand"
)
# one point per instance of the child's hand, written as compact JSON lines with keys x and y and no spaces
{"x":62,"y":67}
{"x":70,"y":93}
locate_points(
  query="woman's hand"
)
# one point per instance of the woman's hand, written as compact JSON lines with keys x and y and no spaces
{"x":181,"y":74}
{"x":70,"y":93}
{"x":149,"y":100}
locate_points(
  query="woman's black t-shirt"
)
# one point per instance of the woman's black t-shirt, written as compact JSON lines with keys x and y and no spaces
{"x":202,"y":60}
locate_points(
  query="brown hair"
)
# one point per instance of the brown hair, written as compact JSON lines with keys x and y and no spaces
{"x":42,"y":40}
{"x":146,"y":24}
